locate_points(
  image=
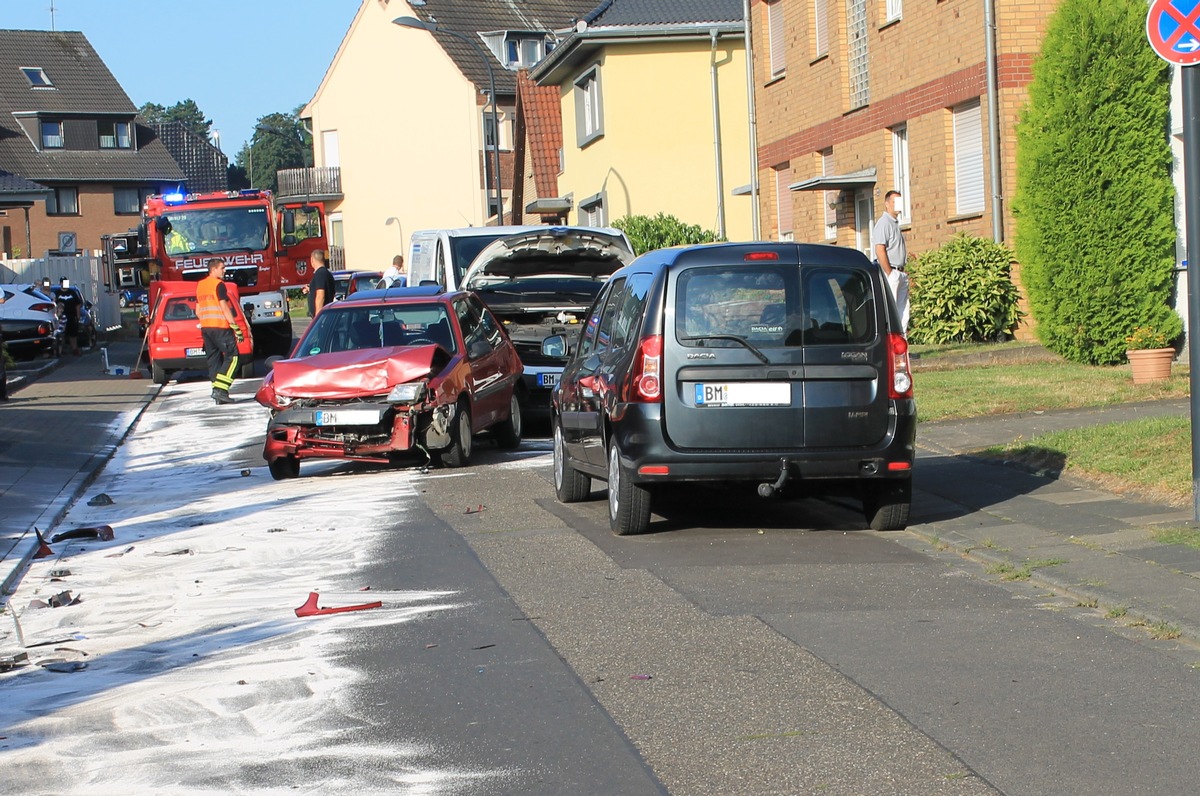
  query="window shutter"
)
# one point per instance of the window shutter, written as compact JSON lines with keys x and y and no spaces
{"x":783,"y":202}
{"x":775,"y":32}
{"x":821,"y":26}
{"x":968,"y":158}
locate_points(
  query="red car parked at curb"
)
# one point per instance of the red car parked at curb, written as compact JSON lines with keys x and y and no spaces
{"x":384,"y":374}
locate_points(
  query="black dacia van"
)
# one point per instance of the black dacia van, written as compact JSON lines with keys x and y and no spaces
{"x":781,"y":363}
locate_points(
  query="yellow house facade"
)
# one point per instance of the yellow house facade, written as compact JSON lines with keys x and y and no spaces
{"x":655,"y":119}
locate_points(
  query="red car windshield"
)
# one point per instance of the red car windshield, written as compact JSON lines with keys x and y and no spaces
{"x":350,"y":327}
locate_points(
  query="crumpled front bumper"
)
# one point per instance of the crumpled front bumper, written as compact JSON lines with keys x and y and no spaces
{"x":359,"y":431}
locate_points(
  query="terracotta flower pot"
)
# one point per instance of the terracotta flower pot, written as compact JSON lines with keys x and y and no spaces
{"x":1151,"y":364}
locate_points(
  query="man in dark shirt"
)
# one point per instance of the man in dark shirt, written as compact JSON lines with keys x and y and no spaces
{"x":321,"y":286}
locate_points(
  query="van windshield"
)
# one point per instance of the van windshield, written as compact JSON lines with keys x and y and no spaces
{"x":464,"y":250}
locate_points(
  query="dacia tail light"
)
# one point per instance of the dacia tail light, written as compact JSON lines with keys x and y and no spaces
{"x":900,"y":382}
{"x":647,"y":370}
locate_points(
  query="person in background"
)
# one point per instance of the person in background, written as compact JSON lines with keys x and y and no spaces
{"x":71,"y":309}
{"x":887,"y":241}
{"x":219,"y":329}
{"x":394,"y":274}
{"x":321,"y":286}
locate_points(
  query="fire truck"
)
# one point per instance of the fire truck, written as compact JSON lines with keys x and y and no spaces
{"x":266,"y":249}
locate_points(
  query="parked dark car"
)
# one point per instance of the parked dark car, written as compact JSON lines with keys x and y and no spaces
{"x":347,"y":283}
{"x":539,"y":283}
{"x":29,"y":321}
{"x":776,"y":363}
{"x":88,"y":334}
{"x":385,"y":374}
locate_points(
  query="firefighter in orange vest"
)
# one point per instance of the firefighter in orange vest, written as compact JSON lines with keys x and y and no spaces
{"x":220,"y":329}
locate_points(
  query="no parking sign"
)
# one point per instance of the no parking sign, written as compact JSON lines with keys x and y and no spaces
{"x":1171,"y":27}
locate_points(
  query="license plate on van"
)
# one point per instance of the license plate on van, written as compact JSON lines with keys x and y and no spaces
{"x":547,"y":379}
{"x":744,"y":394}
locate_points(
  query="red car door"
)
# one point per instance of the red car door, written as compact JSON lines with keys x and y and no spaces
{"x":487,"y":351}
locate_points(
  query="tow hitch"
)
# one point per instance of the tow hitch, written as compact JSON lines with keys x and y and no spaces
{"x":767,"y":490}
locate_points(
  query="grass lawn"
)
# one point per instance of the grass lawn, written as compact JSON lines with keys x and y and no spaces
{"x":1151,"y":456}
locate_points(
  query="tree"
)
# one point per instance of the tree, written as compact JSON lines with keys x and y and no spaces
{"x":1095,"y":222}
{"x":279,"y":142}
{"x":186,"y":111}
{"x":648,"y":233}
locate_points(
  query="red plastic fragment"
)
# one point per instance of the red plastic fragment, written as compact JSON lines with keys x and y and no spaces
{"x":43,"y":550}
{"x":310,"y":607}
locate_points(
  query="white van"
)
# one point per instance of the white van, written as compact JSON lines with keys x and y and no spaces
{"x":442,"y":256}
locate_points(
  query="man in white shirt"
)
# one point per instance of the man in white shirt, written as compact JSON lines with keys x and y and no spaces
{"x":394,"y":274}
{"x":887,"y":241}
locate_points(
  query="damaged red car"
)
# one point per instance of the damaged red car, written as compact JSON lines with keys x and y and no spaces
{"x":383,"y":376}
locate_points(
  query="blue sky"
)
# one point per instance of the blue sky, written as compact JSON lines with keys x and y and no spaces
{"x":238,"y":59}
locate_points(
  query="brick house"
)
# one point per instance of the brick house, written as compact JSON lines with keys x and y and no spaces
{"x":854,"y":99}
{"x":66,"y":124}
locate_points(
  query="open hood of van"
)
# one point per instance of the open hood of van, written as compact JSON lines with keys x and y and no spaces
{"x":549,"y":252}
{"x":352,"y":374}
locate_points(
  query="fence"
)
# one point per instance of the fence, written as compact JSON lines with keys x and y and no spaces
{"x":84,"y":273}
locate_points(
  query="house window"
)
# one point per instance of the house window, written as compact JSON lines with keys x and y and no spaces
{"x":52,"y":135}
{"x":968,"y":159}
{"x":129,"y":201}
{"x":777,"y":48}
{"x":820,"y":27}
{"x":63,"y":202}
{"x":831,"y":198}
{"x":114,"y":135}
{"x":900,"y":171}
{"x":783,"y":201}
{"x":523,"y":51}
{"x":589,"y":111}
{"x":591,"y":211}
{"x":36,"y":76}
{"x":856,"y":36}
{"x":895,"y":9}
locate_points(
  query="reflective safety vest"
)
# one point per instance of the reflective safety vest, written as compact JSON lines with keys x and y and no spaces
{"x":208,"y":306}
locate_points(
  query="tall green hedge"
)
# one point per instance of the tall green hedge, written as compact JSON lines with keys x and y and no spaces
{"x":648,"y":233}
{"x":962,"y":292}
{"x":1095,"y":230}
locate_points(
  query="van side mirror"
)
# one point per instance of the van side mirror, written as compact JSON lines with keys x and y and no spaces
{"x":289,"y":221}
{"x":555,"y":347}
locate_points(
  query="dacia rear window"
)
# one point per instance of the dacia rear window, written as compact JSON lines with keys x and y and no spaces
{"x":773,"y":306}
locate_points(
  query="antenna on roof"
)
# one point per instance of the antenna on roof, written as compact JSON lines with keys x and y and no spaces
{"x":52,"y":15}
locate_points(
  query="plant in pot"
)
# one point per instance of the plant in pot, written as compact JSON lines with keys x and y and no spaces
{"x":1150,"y":354}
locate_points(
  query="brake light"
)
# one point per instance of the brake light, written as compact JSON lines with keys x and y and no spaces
{"x":162,"y":334}
{"x":41,"y":306}
{"x":900,"y":374}
{"x":647,"y":370}
{"x":753,"y":256}
{"x":43,"y":328}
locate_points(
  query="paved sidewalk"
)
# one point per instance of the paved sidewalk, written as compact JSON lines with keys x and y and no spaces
{"x":58,"y":428}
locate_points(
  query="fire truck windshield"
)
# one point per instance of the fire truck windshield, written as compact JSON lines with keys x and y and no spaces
{"x":214,"y":230}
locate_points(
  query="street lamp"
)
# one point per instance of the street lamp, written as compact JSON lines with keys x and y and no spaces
{"x":416,"y":24}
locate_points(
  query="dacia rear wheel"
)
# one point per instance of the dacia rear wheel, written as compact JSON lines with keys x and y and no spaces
{"x":284,"y":467}
{"x":628,"y":503}
{"x":508,"y":431}
{"x":459,"y":452}
{"x":157,"y":373}
{"x":570,"y":485}
{"x":886,"y":504}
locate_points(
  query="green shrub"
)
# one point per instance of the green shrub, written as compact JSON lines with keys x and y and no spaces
{"x":962,"y":292}
{"x":647,"y":234}
{"x":1095,"y":229}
